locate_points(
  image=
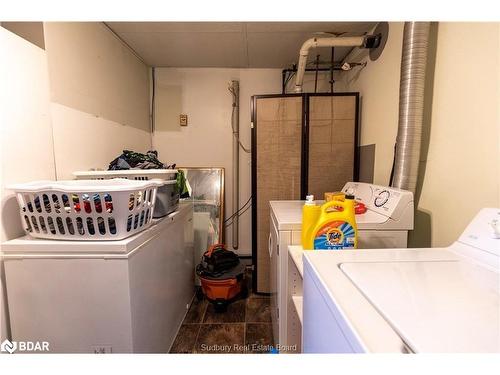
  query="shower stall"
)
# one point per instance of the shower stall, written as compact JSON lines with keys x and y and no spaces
{"x":301,"y":144}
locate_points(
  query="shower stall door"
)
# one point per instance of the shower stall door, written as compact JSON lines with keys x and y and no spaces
{"x":301,"y":144}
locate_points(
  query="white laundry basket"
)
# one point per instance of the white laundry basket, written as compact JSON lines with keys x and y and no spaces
{"x":131,"y":174}
{"x":86,"y":209}
{"x":167,"y":197}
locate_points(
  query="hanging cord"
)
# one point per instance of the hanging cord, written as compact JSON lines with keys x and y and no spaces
{"x":316,"y":75}
{"x":236,"y":135}
{"x":153,"y":94}
{"x":288,"y":77}
{"x":238,"y":213}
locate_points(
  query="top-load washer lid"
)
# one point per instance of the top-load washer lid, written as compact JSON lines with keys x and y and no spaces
{"x":288,"y":216}
{"x":435,"y":306}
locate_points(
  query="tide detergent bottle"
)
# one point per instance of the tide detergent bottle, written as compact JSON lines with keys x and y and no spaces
{"x":334,"y":230}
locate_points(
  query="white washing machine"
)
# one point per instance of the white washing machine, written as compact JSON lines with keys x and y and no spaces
{"x":386,"y":223}
{"x":408,"y":300}
{"x":124,"y":296}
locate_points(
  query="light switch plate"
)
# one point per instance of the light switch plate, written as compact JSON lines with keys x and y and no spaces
{"x":183,"y":120}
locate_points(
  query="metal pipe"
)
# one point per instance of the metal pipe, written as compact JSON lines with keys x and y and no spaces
{"x":235,"y":125}
{"x":316,"y":74}
{"x":331,"y":71}
{"x":411,"y":104}
{"x":366,"y":41}
{"x":283,"y":80}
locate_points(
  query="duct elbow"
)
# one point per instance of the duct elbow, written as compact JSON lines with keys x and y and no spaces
{"x":307,"y":45}
{"x":372,"y":41}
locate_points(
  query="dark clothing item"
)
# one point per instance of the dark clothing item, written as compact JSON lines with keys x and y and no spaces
{"x":136,"y":160}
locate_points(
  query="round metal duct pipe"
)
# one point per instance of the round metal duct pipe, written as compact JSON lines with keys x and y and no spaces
{"x":411,"y":104}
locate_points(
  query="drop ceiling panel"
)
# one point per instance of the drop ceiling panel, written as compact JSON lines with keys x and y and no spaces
{"x":278,"y":50}
{"x":229,"y":44}
{"x":190,"y":49}
{"x":309,"y":27}
{"x":173,"y":27}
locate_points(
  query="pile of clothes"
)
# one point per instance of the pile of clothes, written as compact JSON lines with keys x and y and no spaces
{"x":149,"y":160}
{"x":136,"y":160}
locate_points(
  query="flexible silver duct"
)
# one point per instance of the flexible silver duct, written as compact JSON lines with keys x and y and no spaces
{"x":411,"y":104}
{"x":235,"y":125}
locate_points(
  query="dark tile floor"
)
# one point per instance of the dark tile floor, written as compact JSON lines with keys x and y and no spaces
{"x":244,"y":328}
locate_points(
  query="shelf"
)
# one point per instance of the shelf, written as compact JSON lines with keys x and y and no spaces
{"x":298,"y":302}
{"x":296,"y":253}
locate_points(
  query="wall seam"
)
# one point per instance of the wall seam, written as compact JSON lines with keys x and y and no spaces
{"x":139,"y":57}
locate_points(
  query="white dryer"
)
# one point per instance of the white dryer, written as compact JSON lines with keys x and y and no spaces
{"x":388,"y":218}
{"x":411,"y":300}
{"x":386,"y":223}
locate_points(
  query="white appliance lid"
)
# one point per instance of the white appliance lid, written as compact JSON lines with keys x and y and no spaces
{"x":435,"y":306}
{"x":30,"y":247}
{"x":289,"y":216}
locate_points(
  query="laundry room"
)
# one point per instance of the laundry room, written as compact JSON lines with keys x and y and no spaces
{"x":249,"y":186}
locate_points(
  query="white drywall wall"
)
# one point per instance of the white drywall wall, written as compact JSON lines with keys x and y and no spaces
{"x":75,"y":105}
{"x":83,"y":141}
{"x":459,"y":169}
{"x":100,"y":95}
{"x":26,"y":133}
{"x":93,"y":71}
{"x":378,"y":84}
{"x":202,"y":94}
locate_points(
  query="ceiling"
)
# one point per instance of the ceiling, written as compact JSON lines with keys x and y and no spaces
{"x":230,"y":44}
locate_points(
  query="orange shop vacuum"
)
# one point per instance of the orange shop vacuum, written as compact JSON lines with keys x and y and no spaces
{"x":222,"y":277}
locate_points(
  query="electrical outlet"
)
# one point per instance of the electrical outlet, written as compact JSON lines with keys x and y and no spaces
{"x":102,"y":349}
{"x":183,"y":120}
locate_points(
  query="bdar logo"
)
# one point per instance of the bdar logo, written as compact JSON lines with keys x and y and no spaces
{"x":8,"y":346}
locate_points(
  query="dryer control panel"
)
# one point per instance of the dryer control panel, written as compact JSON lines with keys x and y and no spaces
{"x":384,"y":200}
{"x":482,"y":231}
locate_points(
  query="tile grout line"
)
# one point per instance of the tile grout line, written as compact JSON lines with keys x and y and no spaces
{"x":212,"y":323}
{"x":204,"y":311}
{"x":245,"y":323}
{"x":199,"y":328}
{"x":196,"y":339}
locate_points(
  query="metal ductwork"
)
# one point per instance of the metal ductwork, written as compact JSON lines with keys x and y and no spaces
{"x":366,"y":41}
{"x":411,"y":104}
